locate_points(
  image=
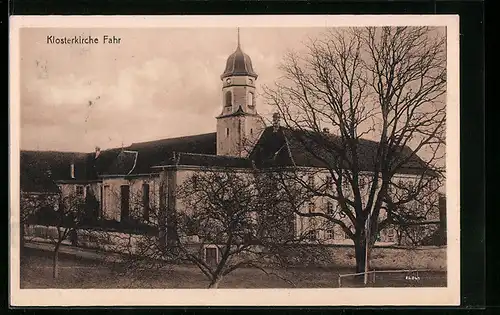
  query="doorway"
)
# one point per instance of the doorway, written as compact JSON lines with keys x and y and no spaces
{"x":125,"y":202}
{"x":211,"y":255}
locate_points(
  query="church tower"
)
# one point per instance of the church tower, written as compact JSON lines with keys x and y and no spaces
{"x":239,"y":125}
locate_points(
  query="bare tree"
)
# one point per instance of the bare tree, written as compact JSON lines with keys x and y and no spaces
{"x":65,"y":219}
{"x":386,"y":84}
{"x":31,"y":204}
{"x":224,"y":220}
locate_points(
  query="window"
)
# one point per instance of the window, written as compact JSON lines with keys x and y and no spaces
{"x":227,"y":132}
{"x":330,"y":234}
{"x":390,"y":235}
{"x":311,"y":207}
{"x":312,"y":235}
{"x":329,"y":208}
{"x":145,"y":202}
{"x":251,"y":131}
{"x":250,"y":100}
{"x":229,"y":99}
{"x":105,"y":199}
{"x":101,"y":208}
{"x":72,"y":170}
{"x":125,"y":202}
{"x":80,"y":191}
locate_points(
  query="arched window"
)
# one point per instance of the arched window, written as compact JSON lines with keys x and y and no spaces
{"x":250,"y":100}
{"x":229,"y":99}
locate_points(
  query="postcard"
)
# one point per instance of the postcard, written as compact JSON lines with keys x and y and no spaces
{"x":286,"y":160}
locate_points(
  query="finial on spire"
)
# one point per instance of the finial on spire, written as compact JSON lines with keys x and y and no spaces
{"x":238,"y":37}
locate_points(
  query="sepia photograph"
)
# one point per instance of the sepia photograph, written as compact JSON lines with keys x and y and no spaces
{"x":304,"y":159}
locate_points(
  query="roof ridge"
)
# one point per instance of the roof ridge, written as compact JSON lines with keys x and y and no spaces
{"x":175,"y":138}
{"x":214,"y":155}
{"x":54,"y":151}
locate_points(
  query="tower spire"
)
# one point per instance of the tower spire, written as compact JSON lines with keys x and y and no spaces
{"x":238,"y":37}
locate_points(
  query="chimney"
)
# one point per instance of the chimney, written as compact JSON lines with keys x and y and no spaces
{"x":276,"y":122}
{"x":97,"y":152}
{"x":326,"y":130}
{"x":72,"y":169}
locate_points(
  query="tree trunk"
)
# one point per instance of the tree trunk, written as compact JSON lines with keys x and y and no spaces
{"x":214,"y":283}
{"x":360,"y":254}
{"x":55,"y":263}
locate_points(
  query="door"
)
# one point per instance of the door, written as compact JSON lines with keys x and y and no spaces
{"x":211,"y":255}
{"x":125,"y":202}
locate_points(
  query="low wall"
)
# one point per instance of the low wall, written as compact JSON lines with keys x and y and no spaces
{"x":104,"y":240}
{"x":432,"y":258}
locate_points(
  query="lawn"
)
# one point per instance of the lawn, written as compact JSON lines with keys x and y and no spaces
{"x":80,"y":273}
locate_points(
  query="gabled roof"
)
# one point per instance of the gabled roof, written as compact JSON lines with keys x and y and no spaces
{"x":137,"y":158}
{"x":287,"y":147}
{"x":158,"y":152}
{"x":283,"y":147}
{"x":57,"y":163}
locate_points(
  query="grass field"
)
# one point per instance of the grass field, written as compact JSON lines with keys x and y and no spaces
{"x":80,"y":273}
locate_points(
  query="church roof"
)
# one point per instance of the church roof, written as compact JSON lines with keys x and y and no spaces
{"x":157,"y":152}
{"x":138,"y":158}
{"x":287,"y":147}
{"x":238,"y":64}
{"x":280,"y":148}
{"x":58,"y":164}
{"x":123,"y":164}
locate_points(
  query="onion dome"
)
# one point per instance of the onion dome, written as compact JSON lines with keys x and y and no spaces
{"x":238,"y":64}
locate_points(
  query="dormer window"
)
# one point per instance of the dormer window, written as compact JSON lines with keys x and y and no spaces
{"x":229,"y":99}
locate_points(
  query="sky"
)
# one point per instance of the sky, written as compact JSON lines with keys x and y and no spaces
{"x":155,"y":84}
